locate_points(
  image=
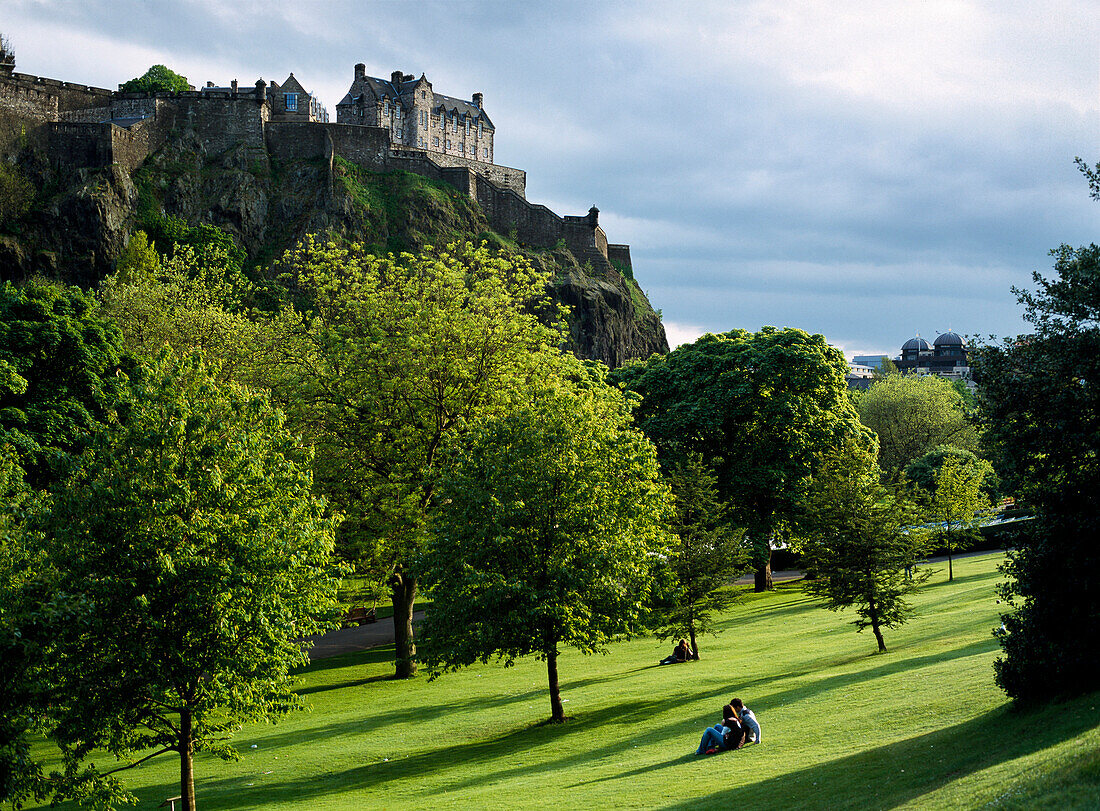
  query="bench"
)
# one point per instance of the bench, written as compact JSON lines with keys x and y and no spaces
{"x":359,"y":615}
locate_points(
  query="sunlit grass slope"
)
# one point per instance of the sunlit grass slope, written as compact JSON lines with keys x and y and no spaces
{"x":922,"y":726}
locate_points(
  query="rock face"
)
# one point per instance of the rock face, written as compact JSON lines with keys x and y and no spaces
{"x":80,"y":222}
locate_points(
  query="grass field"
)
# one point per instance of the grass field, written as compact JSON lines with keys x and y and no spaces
{"x":922,"y":726}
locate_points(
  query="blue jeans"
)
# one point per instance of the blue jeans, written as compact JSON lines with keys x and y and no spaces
{"x":712,"y":736}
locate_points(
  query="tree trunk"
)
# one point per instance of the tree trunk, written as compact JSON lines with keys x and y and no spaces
{"x":403,"y":598}
{"x":763,"y":581}
{"x":557,"y":714}
{"x":872,"y":614}
{"x":950,"y":572}
{"x":187,"y":766}
{"x":694,"y":644}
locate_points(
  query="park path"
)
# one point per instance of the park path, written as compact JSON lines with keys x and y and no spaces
{"x":350,"y":640}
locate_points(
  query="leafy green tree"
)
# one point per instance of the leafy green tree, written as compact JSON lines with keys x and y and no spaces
{"x":885,"y":369}
{"x":956,"y":504}
{"x":393,"y":357}
{"x":158,"y":77}
{"x":709,"y":554}
{"x":860,"y":547}
{"x":922,"y":471}
{"x":1040,"y":402}
{"x":911,"y":414}
{"x":763,"y":409}
{"x":187,"y":302}
{"x":58,"y":359}
{"x":550,"y":517}
{"x":189,"y":558}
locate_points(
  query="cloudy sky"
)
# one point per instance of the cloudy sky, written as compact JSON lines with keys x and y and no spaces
{"x":863,"y":170}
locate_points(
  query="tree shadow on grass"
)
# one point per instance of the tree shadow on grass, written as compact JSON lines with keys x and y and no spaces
{"x":473,"y":763}
{"x":888,"y":667}
{"x":964,"y":579}
{"x":890,"y":775}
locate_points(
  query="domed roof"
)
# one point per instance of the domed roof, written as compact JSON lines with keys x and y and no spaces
{"x":949,"y":339}
{"x":917,"y":343}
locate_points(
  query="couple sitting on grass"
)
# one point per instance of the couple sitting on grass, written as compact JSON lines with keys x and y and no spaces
{"x":739,"y":726}
{"x":681,"y":653}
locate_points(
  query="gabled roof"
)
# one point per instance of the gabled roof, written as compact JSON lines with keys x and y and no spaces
{"x":385,"y":89}
{"x":292,"y":85}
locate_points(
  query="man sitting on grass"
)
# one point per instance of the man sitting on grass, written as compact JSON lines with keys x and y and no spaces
{"x":748,"y":720}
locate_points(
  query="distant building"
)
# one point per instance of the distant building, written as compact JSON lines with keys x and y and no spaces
{"x":946,"y":357}
{"x":874,"y":361}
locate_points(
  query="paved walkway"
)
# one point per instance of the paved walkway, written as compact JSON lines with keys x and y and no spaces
{"x":350,"y":640}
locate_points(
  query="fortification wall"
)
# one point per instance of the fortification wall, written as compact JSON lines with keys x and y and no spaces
{"x":366,"y":146}
{"x":504,"y":176}
{"x":79,"y":145}
{"x":220,"y":122}
{"x":507,"y":211}
{"x":621,"y":253}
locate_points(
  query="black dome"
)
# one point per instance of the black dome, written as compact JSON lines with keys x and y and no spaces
{"x":949,"y":339}
{"x":917,"y":343}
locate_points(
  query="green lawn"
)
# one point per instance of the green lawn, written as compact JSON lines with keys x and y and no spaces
{"x":922,"y":726}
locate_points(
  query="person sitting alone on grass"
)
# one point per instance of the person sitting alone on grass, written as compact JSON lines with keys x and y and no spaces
{"x":681,"y":653}
{"x":727,"y":735}
{"x":748,"y":720}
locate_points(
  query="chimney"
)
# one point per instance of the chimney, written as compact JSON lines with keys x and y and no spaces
{"x":360,"y":71}
{"x":233,"y":85}
{"x":478,"y":98}
{"x":209,"y":84}
{"x":395,"y":78}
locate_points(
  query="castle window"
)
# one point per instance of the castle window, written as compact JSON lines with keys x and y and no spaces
{"x":479,"y":128}
{"x":485,"y":152}
{"x":291,"y":101}
{"x":442,"y":120}
{"x":467,"y":126}
{"x":435,"y":141}
{"x":448,"y":143}
{"x":454,"y":123}
{"x":400,"y":134}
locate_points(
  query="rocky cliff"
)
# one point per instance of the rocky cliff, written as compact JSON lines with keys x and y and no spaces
{"x":76,"y":224}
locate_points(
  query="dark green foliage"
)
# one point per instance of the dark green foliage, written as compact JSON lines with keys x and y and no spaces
{"x":709,"y":555}
{"x":1040,"y":401}
{"x":158,"y":77}
{"x":763,"y":409}
{"x":58,"y":360}
{"x":16,"y":193}
{"x":922,"y":471}
{"x":549,"y":523}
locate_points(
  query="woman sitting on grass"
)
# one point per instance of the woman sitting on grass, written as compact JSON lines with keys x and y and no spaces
{"x":681,"y":653}
{"x":727,"y":735}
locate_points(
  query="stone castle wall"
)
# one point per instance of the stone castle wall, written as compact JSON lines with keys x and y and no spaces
{"x":76,"y":120}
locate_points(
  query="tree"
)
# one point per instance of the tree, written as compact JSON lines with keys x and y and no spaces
{"x":1039,"y":397}
{"x":550,"y":517}
{"x":860,"y":546}
{"x":188,"y":559}
{"x":885,"y":368}
{"x":922,"y":471}
{"x":392,"y":357}
{"x":911,"y":414}
{"x":956,"y":503}
{"x":763,"y":409}
{"x":158,"y":77}
{"x":189,"y":302}
{"x":709,"y":554}
{"x":59,"y":357}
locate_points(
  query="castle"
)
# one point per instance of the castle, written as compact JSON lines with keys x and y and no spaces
{"x":399,"y":124}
